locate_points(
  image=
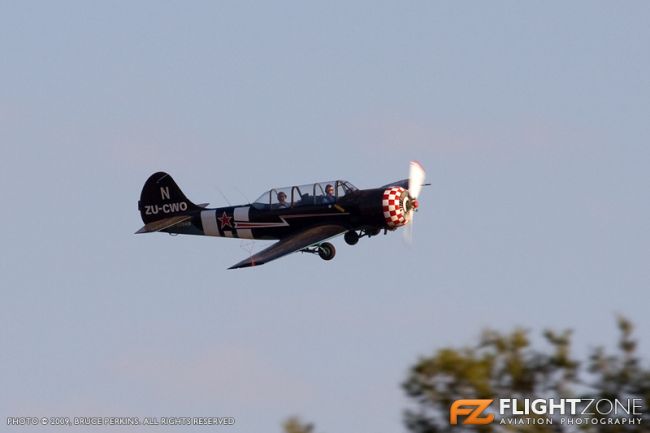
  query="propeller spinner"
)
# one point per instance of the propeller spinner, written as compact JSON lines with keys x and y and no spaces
{"x":398,"y":203}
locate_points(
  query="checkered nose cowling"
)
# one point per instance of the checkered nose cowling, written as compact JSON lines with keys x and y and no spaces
{"x":395,"y":204}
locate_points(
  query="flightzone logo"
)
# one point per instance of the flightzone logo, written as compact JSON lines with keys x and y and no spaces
{"x":472,"y":410}
{"x":564,"y":411}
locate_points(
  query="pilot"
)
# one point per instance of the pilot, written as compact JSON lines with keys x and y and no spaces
{"x":329,"y":194}
{"x":282,"y":199}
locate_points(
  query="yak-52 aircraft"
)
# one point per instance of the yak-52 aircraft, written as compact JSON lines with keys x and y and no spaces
{"x":300,"y":218}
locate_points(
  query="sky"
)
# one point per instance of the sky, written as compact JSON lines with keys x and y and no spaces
{"x":532,"y":120}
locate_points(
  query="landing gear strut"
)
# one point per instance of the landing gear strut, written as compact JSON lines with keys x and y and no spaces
{"x":326,"y":251}
{"x":371,"y":232}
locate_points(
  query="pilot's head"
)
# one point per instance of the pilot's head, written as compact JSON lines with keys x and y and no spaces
{"x":282,"y":197}
{"x":329,"y":189}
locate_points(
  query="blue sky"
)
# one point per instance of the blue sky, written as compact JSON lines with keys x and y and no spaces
{"x":531,"y":118}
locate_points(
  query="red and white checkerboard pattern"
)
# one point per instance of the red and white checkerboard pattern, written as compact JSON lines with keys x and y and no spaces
{"x":394,"y":212}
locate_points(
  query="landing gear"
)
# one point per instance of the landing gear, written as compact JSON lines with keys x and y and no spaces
{"x":326,"y":251}
{"x":372,"y":232}
{"x":351,"y":237}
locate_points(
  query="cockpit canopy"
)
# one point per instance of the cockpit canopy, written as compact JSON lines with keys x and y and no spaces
{"x":304,"y":195}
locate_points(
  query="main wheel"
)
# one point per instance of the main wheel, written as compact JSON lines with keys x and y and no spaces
{"x":326,"y":251}
{"x":351,"y":237}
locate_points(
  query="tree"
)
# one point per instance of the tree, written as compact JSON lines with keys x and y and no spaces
{"x":294,"y":425}
{"x":507,"y":366}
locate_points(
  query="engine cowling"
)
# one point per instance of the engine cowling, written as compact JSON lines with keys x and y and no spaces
{"x":396,"y":205}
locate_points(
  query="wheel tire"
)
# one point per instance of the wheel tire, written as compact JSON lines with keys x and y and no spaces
{"x":326,"y":251}
{"x":351,"y":237}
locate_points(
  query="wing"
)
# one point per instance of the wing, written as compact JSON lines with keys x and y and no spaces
{"x":163,"y":224}
{"x":291,"y":244}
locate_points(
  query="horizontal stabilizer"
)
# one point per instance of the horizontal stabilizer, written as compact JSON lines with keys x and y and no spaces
{"x":163,"y":224}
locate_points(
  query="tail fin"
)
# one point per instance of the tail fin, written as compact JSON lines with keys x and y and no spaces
{"x":162,"y":198}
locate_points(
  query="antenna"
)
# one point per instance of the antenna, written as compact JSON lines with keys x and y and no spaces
{"x":223,"y":195}
{"x":243,"y":195}
{"x":248,"y":245}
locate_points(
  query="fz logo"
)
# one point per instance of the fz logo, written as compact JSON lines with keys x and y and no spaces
{"x":472,"y":409}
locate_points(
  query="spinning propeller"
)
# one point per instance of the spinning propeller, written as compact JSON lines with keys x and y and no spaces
{"x":416,"y":181}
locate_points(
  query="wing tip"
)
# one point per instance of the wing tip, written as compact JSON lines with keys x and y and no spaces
{"x":243,"y":264}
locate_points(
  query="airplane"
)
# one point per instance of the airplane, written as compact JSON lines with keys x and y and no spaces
{"x":299,"y":217}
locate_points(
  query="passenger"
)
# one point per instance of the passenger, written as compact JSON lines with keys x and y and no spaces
{"x":282,"y":199}
{"x":329,"y":194}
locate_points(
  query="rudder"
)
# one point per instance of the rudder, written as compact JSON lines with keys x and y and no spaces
{"x":162,"y":198}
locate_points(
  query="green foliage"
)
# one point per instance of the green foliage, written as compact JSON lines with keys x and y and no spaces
{"x":507,"y":366}
{"x":294,"y":425}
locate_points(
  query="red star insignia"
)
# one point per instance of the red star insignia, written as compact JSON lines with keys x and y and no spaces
{"x":225,"y":220}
